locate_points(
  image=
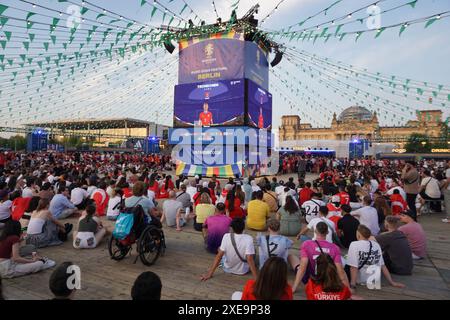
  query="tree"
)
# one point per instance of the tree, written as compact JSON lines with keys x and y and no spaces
{"x":17,"y":143}
{"x":443,"y":137}
{"x":418,"y":143}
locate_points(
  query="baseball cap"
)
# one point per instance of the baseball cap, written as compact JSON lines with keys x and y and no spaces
{"x":335,"y":199}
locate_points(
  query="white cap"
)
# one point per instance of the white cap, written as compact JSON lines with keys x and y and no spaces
{"x":197,"y":177}
{"x":205,"y":184}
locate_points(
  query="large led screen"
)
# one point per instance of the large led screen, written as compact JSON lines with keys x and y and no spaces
{"x":259,"y":107}
{"x":209,"y":104}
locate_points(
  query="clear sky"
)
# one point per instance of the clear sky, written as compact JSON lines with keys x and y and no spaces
{"x":142,"y":86}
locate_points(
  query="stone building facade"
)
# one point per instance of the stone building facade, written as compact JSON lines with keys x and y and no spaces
{"x":360,"y":123}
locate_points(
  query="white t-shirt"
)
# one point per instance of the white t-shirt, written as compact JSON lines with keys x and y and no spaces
{"x":357,"y":254}
{"x":312,"y":208}
{"x":368,"y":216}
{"x":400,"y":189}
{"x":232,"y":263}
{"x":373,"y":185}
{"x":51,"y":178}
{"x":312,"y":226}
{"x":91,"y":189}
{"x":279,"y":190}
{"x":111,"y":205}
{"x":27,"y":193}
{"x":432,"y":187}
{"x":78,"y":195}
{"x":191,"y":191}
{"x":5,"y":209}
{"x":447,"y":175}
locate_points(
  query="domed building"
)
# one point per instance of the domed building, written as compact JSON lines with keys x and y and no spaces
{"x":358,"y":122}
{"x":355,"y":113}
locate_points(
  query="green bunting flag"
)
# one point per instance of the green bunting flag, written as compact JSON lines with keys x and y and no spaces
{"x":153,"y":11}
{"x":402,"y":29}
{"x":100,"y":15}
{"x":29,"y":15}
{"x":430,"y":22}
{"x":331,"y":6}
{"x":8,"y":35}
{"x":3,"y":21}
{"x":46,"y":46}
{"x":379,"y":32}
{"x":84,"y":10}
{"x":31,"y":36}
{"x":413,"y":3}
{"x":26,"y":45}
{"x":3,"y":8}
{"x":184,"y":8}
{"x":143,"y":2}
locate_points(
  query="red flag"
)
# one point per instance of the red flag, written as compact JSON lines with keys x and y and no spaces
{"x":19,"y":206}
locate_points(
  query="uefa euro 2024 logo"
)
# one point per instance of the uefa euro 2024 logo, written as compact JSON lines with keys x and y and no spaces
{"x":209,"y":50}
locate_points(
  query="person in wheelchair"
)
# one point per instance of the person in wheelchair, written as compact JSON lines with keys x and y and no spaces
{"x":138,"y":198}
{"x":146,"y":231}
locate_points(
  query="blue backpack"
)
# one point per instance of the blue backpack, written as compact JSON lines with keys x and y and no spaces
{"x":126,"y":221}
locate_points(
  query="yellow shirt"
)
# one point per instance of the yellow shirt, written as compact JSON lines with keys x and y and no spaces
{"x":203,"y":211}
{"x":257,"y":213}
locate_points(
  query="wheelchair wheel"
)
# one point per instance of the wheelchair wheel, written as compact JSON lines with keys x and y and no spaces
{"x":149,"y":245}
{"x":117,"y":251}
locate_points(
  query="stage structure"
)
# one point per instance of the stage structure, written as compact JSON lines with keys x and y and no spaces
{"x":222,"y":107}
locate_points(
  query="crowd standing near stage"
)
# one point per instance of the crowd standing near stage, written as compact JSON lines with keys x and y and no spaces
{"x":358,"y":214}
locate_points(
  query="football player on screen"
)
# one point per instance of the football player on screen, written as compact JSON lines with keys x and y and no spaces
{"x":206,"y":118}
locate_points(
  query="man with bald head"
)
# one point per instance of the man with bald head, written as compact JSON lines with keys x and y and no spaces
{"x":172,"y":212}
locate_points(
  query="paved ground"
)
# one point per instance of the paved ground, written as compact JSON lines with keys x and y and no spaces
{"x":186,"y":260}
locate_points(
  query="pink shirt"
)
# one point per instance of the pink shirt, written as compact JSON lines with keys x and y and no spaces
{"x":311,"y":250}
{"x":416,"y":238}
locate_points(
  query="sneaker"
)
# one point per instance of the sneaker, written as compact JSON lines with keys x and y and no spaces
{"x":48,"y":263}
